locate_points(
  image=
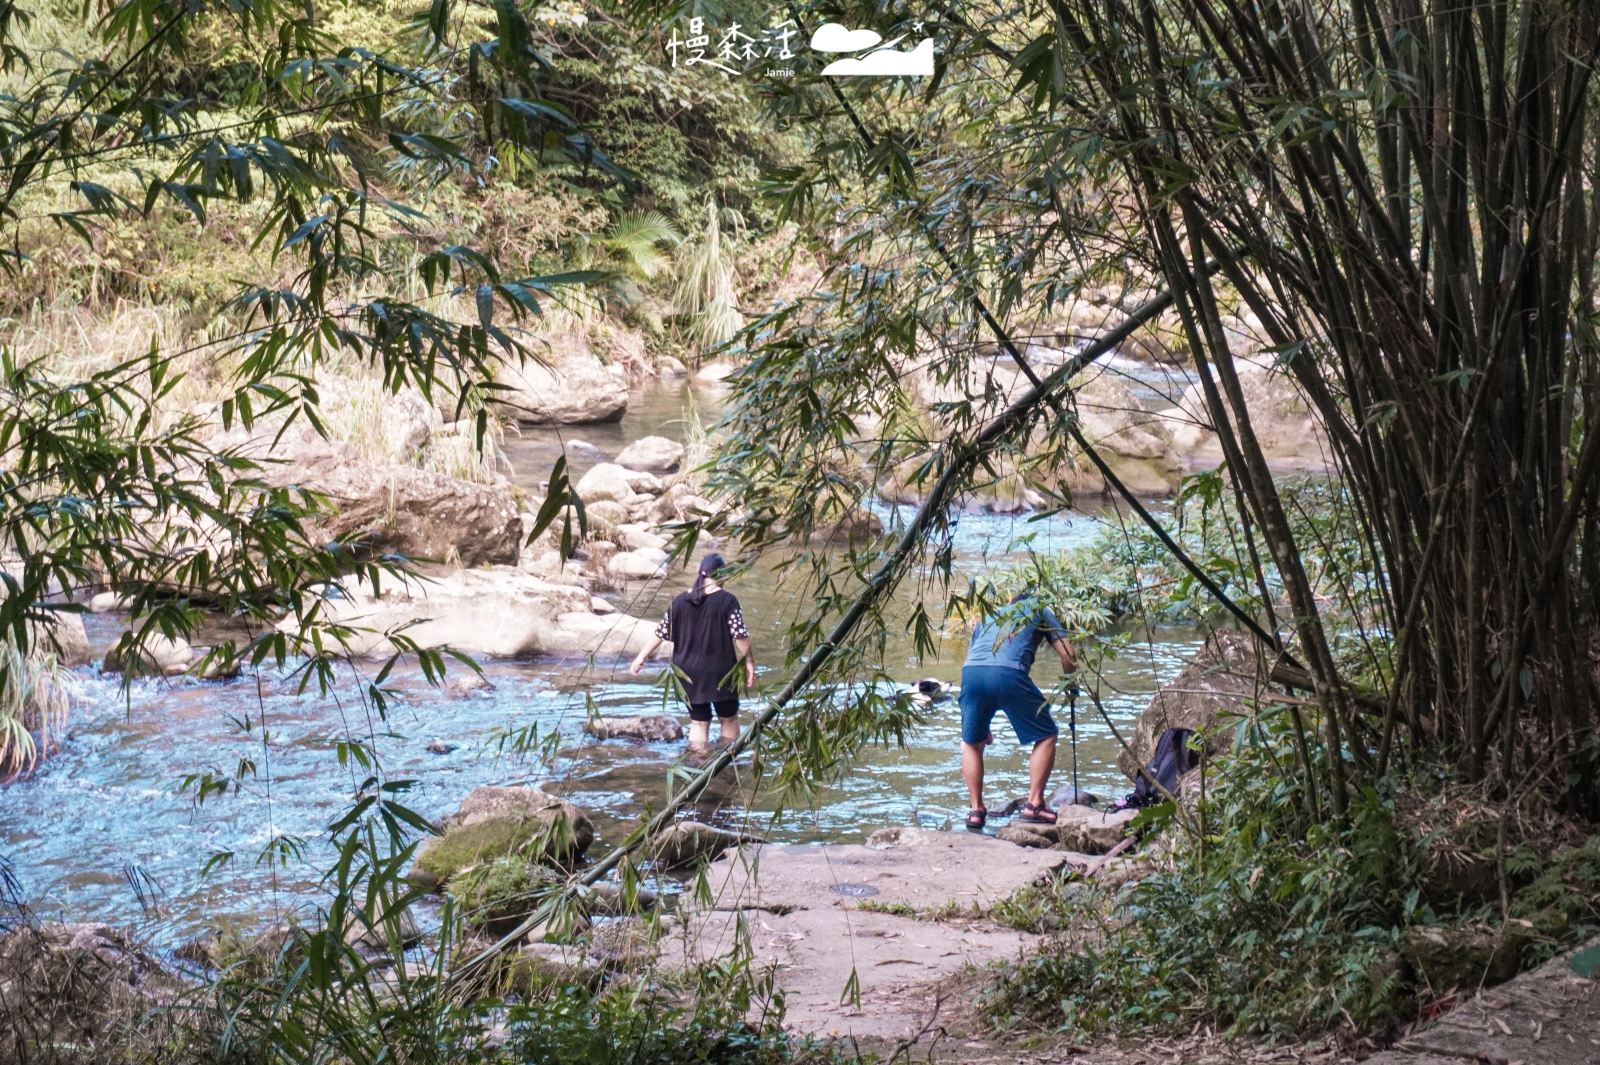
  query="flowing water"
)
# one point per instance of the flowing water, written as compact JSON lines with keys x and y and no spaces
{"x":102,"y":831}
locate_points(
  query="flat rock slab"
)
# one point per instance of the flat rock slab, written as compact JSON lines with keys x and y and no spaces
{"x":922,"y":869}
{"x":1550,"y":1016}
{"x":898,"y":962}
{"x":801,"y":908}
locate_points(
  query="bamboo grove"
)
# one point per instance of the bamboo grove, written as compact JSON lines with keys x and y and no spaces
{"x":1404,"y":197}
{"x":1402,"y":194}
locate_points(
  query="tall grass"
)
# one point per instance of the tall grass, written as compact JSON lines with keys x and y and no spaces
{"x":404,"y":429}
{"x":33,"y":709}
{"x":707,"y":284}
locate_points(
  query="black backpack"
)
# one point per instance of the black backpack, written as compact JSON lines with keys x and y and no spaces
{"x":1172,"y":760}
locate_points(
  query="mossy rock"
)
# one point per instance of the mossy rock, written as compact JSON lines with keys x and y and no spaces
{"x":497,"y":822}
{"x":496,"y":896}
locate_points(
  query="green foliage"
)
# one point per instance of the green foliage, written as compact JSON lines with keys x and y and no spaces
{"x":1561,"y":898}
{"x":350,"y":987}
{"x":722,"y":1013}
{"x":500,"y":892}
{"x":1125,"y":573}
{"x":1274,"y":925}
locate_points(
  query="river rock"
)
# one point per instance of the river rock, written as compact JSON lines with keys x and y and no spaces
{"x":607,"y":899}
{"x":1134,"y":441}
{"x":390,"y":509}
{"x":1027,"y":834}
{"x":495,"y":822}
{"x":1210,"y":694}
{"x":571,"y":387}
{"x":638,"y":535}
{"x":643,"y":564}
{"x":501,"y":612}
{"x":468,"y":683}
{"x":688,"y":843}
{"x":602,"y":511}
{"x":63,"y":636}
{"x":652,"y":454}
{"x":109,"y":602}
{"x":159,"y":655}
{"x":1461,"y":957}
{"x":608,"y":481}
{"x":717,"y":372}
{"x":678,"y":503}
{"x":1089,"y":831}
{"x":669,"y":366}
{"x":858,"y":527}
{"x":648,"y":728}
{"x":540,"y":965}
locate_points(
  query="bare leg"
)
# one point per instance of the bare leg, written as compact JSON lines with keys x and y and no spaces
{"x":729,"y":729}
{"x":972,"y":771}
{"x":1040,"y":762}
{"x":699,"y":733}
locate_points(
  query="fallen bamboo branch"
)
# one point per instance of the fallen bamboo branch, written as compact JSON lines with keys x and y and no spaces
{"x":963,"y":459}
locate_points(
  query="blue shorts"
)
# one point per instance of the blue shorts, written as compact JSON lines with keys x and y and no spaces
{"x":987,"y":689}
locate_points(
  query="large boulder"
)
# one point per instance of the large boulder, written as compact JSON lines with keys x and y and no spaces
{"x":159,"y":655}
{"x":63,"y":635}
{"x":1089,"y":831}
{"x":500,"y":612}
{"x":1211,"y":693}
{"x":632,"y":537}
{"x":392,"y":509}
{"x":1289,"y":431}
{"x":493,"y":823}
{"x":1135,"y":442}
{"x":644,"y":564}
{"x":652,"y":454}
{"x":568,"y":386}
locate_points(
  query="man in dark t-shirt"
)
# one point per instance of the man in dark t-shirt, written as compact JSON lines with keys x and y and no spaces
{"x":706,"y":628}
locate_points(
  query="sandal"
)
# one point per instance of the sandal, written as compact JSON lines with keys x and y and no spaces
{"x":976,"y":819}
{"x":1036,"y":815}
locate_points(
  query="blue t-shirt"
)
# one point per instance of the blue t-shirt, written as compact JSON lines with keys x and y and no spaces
{"x":1006,"y":642}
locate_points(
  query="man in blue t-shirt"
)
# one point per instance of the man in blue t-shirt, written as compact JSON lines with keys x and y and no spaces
{"x":994,"y":678}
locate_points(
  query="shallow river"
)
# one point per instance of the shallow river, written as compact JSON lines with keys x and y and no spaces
{"x":103,"y":823}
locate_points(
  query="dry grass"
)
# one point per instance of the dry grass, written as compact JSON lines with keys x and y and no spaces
{"x":33,"y":709}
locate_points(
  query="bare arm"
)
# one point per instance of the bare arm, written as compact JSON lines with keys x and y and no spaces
{"x":742,"y":645}
{"x":649,"y":649}
{"x":1068,"y":656}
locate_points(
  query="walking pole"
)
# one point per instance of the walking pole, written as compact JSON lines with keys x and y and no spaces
{"x":1072,"y":730}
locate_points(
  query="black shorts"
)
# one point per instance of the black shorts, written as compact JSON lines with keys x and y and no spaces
{"x":725,"y":708}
